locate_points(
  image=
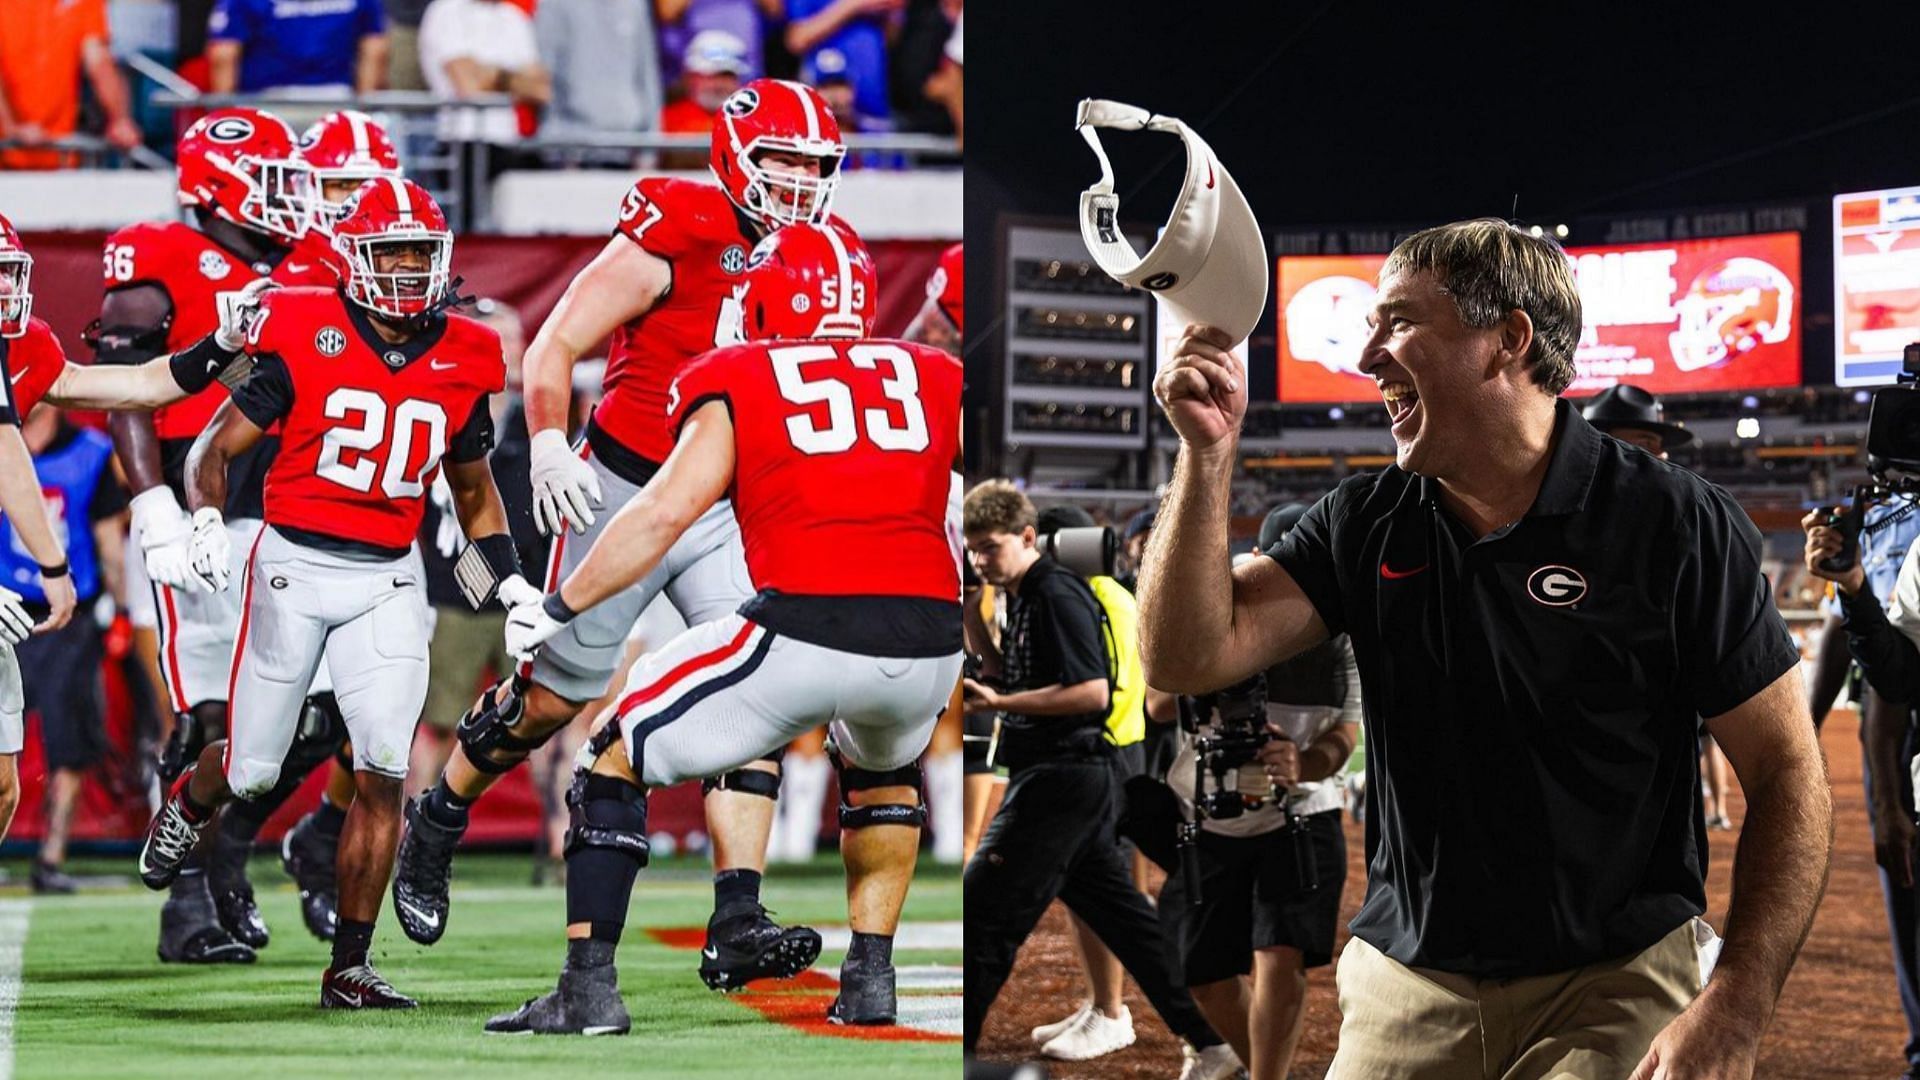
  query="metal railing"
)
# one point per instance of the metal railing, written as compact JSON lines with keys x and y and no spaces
{"x":93,"y":151}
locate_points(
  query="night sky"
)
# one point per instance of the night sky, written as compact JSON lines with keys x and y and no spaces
{"x":1357,"y":112}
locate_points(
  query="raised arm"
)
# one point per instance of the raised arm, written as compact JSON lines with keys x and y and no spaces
{"x":1204,"y":625}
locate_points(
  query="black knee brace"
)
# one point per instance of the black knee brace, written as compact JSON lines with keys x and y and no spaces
{"x":322,"y":735}
{"x":752,"y":781}
{"x":853,"y":778}
{"x":192,"y":731}
{"x":486,"y":730}
{"x":609,"y":813}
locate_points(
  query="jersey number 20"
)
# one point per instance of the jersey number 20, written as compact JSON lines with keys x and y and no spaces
{"x":843,"y":428}
{"x":409,"y":416}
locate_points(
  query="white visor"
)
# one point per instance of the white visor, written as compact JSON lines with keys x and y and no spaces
{"x":1210,"y":264}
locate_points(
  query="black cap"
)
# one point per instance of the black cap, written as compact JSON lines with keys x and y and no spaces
{"x":1280,"y":520}
{"x":1139,"y":523}
{"x":1055,"y":518}
{"x":1626,"y":406}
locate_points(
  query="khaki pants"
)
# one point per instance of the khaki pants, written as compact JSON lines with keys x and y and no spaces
{"x":403,"y":58}
{"x":1591,"y":1023}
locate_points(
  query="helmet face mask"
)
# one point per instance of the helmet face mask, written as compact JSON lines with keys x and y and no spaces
{"x":16,"y":280}
{"x":241,"y":166}
{"x":386,"y":221}
{"x":761,"y":137}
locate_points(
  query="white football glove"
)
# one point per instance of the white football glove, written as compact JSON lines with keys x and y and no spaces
{"x":516,"y":592}
{"x":164,"y":530}
{"x":565,"y":489}
{"x":448,"y":538}
{"x":529,"y":626}
{"x":210,"y":553}
{"x":240,"y":313}
{"x":15,"y":623}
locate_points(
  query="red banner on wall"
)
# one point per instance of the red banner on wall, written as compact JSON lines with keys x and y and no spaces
{"x":1672,"y":318}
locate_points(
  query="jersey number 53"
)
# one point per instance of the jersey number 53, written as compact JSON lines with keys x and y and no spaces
{"x":844,"y":422}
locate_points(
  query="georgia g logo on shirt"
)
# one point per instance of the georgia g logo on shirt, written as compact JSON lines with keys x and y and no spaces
{"x":1556,"y":586}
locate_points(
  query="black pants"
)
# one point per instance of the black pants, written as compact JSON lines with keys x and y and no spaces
{"x":1053,"y":837}
{"x":61,"y":672}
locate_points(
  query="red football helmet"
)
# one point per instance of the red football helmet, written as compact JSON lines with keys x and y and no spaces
{"x":344,"y":147}
{"x":241,"y":164}
{"x":945,"y":287}
{"x":1732,"y":306}
{"x":16,"y":279}
{"x":777,"y":116}
{"x":809,"y":281}
{"x":385,"y":218}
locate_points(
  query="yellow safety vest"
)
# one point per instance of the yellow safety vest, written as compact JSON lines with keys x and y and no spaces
{"x":1127,"y":723}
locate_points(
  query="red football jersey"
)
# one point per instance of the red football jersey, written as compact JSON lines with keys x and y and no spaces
{"x":364,"y":424}
{"x":33,"y":361}
{"x":843,"y":462}
{"x":194,"y":271}
{"x":311,"y":262}
{"x":693,"y":226}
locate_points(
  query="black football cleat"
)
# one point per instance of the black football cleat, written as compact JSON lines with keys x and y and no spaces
{"x":423,"y":875}
{"x":743,"y":944}
{"x":190,"y":930}
{"x":308,"y":858}
{"x":360,"y":987}
{"x":50,"y":880}
{"x":587,"y":1002}
{"x":866,"y":996}
{"x":171,"y":837}
{"x":240,"y":916}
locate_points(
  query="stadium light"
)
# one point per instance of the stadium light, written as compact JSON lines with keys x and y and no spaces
{"x":1748,"y":427}
{"x":1560,"y":231}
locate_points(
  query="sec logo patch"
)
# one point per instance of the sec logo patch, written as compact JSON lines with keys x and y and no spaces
{"x":1556,"y":586}
{"x":330,"y":341}
{"x":213,"y":267}
{"x":734,"y":259}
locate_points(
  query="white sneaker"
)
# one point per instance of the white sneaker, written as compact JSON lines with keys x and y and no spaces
{"x":1092,"y":1037}
{"x":1045,"y":1033}
{"x":1213,"y":1063}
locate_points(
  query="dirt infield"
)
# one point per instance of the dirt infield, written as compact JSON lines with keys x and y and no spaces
{"x":1839,"y":1016}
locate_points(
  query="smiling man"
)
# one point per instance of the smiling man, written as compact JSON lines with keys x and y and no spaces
{"x":1537,"y":613}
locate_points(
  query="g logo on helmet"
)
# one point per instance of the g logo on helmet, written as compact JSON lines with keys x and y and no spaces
{"x":1166,"y":279}
{"x":1556,"y":586}
{"x":742,"y":102}
{"x":230,"y":129}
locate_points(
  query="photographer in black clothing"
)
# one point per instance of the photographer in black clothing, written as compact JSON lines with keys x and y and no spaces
{"x":1053,"y":836}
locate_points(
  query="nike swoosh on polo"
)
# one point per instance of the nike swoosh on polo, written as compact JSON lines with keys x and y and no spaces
{"x":438,"y":366}
{"x":18,"y":375}
{"x":1391,"y":574}
{"x":1209,"y":174}
{"x":431,"y":921}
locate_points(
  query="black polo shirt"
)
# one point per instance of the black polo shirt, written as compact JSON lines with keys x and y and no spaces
{"x":1054,"y":638}
{"x":1533,"y":797}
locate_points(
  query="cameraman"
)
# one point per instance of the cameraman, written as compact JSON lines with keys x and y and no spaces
{"x":1054,"y":833}
{"x":1252,"y":914}
{"x":1883,"y":641}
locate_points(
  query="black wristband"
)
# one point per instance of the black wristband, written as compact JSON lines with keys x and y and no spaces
{"x":196,"y":366}
{"x":501,"y":556}
{"x":557,"y":609}
{"x":58,"y":570}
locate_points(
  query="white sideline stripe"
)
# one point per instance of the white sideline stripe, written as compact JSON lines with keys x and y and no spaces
{"x":911,"y":935}
{"x":13,"y":943}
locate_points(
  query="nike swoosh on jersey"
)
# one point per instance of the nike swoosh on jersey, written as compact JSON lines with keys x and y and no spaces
{"x":1391,"y":574}
{"x":438,"y":366}
{"x":21,"y":374}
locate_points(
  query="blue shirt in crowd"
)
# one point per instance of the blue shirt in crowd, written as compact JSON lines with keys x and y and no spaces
{"x":296,"y":42}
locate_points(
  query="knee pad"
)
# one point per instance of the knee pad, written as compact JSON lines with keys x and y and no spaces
{"x":853,"y":778}
{"x":192,"y":731}
{"x":322,"y":734}
{"x":608,"y":813}
{"x":752,"y":781}
{"x":486,"y":730}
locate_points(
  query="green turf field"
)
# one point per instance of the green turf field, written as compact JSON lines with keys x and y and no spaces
{"x":94,"y":1001}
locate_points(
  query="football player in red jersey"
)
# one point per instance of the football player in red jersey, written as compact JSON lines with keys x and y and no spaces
{"x":34,"y":368}
{"x":375,"y":387}
{"x":829,"y":442}
{"x":663,"y":287}
{"x":247,"y":191}
{"x":342,"y":150}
